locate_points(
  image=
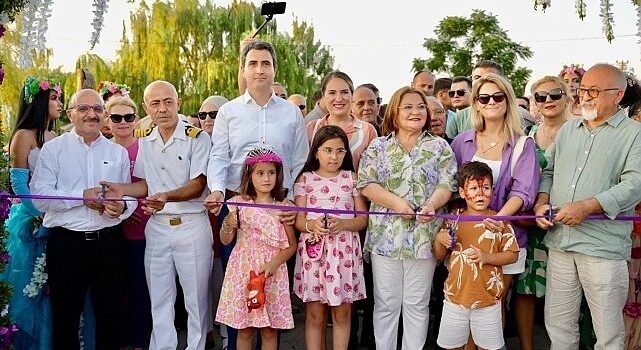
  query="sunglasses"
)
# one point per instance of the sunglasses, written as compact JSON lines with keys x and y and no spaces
{"x":117,"y":118}
{"x":203,"y":115}
{"x":498,"y":97}
{"x":459,"y":93}
{"x":301,"y":107}
{"x":542,"y":96}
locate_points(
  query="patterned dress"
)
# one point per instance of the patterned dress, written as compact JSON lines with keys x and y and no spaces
{"x":260,"y":237}
{"x":532,"y":281}
{"x":335,"y":276}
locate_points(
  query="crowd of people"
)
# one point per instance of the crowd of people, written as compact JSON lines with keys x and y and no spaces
{"x":240,"y":205}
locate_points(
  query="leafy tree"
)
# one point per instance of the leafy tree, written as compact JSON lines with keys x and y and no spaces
{"x":195,"y":46}
{"x":460,"y":42}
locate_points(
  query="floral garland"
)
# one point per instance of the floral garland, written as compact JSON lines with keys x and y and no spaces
{"x":33,"y":85}
{"x":38,"y":279}
{"x":106,"y":87}
{"x":8,"y":329}
{"x":607,"y":18}
{"x":99,"y":12}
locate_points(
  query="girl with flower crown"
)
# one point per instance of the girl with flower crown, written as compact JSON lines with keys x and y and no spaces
{"x":263,"y":246}
{"x":329,"y":262}
{"x":572,"y":76}
{"x":39,"y":108}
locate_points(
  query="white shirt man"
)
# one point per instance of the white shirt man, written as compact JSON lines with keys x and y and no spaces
{"x":172,"y":163}
{"x":86,"y":247}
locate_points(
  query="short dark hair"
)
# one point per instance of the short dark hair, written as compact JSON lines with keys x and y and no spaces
{"x":489,"y":64}
{"x":442,"y":84}
{"x":258,"y":45}
{"x":527,"y":100}
{"x":369,"y":86}
{"x":462,"y":78}
{"x":316,"y":96}
{"x":473,"y":171}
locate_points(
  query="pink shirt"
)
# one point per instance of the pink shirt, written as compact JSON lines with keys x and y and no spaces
{"x":135,"y":231}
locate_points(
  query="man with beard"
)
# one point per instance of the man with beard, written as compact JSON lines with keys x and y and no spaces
{"x":594,"y":167}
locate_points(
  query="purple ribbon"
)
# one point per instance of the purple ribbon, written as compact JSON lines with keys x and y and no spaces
{"x":4,"y":195}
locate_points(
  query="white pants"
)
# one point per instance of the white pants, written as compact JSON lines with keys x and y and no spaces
{"x":605,"y":284}
{"x":402,"y":284}
{"x":184,"y":249}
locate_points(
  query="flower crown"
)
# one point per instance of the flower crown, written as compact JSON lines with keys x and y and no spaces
{"x":33,"y":85}
{"x":262,"y":154}
{"x":572,"y":69}
{"x":106,"y":87}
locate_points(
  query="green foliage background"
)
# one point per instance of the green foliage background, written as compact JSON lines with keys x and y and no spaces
{"x":462,"y":41}
{"x":192,"y":44}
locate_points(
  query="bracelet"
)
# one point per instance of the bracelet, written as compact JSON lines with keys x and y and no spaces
{"x":307,"y":228}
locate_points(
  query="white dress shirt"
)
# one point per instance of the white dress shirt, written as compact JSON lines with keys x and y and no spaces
{"x":242,"y":125}
{"x":168,"y":166}
{"x":66,"y":167}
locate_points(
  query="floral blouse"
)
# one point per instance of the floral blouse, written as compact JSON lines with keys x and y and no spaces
{"x":412,"y":175}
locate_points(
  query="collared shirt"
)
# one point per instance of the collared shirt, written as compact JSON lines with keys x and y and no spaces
{"x":604,"y":163}
{"x":242,"y":125}
{"x":524,"y":183}
{"x":414,"y":176}
{"x":169,"y":165}
{"x":66,"y":167}
{"x":359,"y":134}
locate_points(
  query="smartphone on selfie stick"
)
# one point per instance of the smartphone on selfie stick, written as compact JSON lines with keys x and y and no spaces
{"x":269,"y":9}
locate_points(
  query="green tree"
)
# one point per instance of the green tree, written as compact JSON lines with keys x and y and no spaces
{"x":461,"y":41}
{"x":195,"y":45}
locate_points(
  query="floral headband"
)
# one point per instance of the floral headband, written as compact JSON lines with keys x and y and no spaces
{"x":106,"y":87}
{"x":262,"y":155}
{"x":572,"y":69}
{"x":33,"y":85}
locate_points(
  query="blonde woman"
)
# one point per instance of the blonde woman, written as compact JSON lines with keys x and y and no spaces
{"x":122,"y":114}
{"x":496,"y":128}
{"x":552,"y":99}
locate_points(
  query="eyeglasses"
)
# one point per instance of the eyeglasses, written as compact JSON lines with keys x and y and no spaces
{"x":409,"y":108}
{"x":84,"y":108}
{"x":203,"y":115}
{"x":459,"y":93}
{"x":542,"y":96}
{"x":117,"y":118}
{"x":301,"y":107}
{"x":498,"y":97}
{"x":331,"y":151}
{"x":593,"y":92}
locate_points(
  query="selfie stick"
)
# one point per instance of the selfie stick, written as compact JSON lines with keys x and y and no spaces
{"x":268,"y":18}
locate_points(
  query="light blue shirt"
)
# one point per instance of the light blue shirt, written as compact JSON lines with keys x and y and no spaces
{"x":602,"y":163}
{"x":242,"y":125}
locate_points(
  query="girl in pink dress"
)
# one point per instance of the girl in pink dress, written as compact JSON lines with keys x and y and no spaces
{"x":329,"y":261}
{"x":263,"y":245}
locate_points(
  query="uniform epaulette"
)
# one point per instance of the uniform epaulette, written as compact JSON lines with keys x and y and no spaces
{"x":192,"y":131}
{"x":142,"y":132}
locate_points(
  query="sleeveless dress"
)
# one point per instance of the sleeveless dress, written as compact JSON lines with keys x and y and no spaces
{"x":335,"y":276}
{"x":261,"y":236}
{"x":29,"y":306}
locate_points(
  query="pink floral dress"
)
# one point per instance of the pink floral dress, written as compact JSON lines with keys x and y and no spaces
{"x":260,"y":237}
{"x":335,"y":276}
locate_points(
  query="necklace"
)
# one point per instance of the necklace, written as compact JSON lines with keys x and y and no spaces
{"x":492,"y":145}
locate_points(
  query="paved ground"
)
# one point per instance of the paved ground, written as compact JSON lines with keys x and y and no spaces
{"x":294,"y":339}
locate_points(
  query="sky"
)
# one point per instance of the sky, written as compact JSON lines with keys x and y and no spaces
{"x":376,"y":41}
